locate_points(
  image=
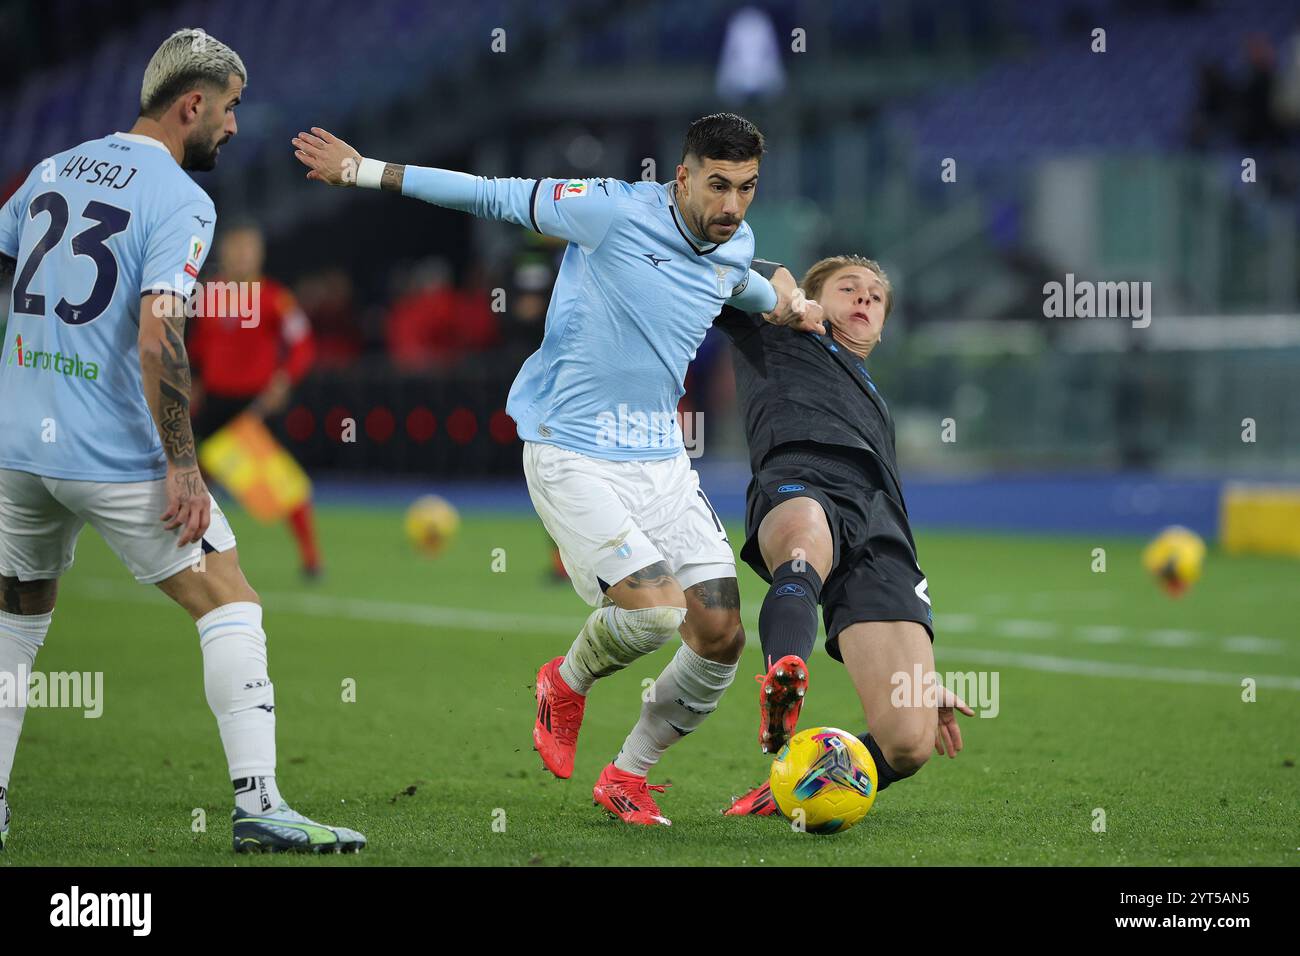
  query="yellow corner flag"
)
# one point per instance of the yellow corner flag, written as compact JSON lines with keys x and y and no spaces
{"x":255,"y":468}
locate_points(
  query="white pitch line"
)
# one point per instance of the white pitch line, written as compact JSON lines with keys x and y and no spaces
{"x":1250,"y":644}
{"x":1074,"y":665}
{"x":1068,"y":601}
{"x":1034,"y":629}
{"x":1101,"y":633}
{"x":955,"y":622}
{"x":358,"y":609}
{"x":421,"y":615}
{"x":1171,"y":637}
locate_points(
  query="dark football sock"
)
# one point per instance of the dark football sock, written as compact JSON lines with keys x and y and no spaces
{"x":787,"y":624}
{"x":884,"y":772}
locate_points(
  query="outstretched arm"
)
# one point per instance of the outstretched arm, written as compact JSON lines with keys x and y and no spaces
{"x":575,"y":210}
{"x":331,"y":161}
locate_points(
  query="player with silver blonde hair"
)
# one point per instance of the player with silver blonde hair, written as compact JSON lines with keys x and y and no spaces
{"x":197,"y":80}
{"x":106,"y":252}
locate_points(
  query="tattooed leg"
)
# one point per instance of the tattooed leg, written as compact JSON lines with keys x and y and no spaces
{"x":651,"y":586}
{"x":691,"y":686}
{"x":27,"y":597}
{"x":712,"y":628}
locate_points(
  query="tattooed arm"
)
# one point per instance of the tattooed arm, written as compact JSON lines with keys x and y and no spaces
{"x":165,"y":373}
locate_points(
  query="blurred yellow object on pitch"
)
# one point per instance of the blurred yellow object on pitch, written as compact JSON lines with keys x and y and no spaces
{"x":1260,"y":519}
{"x":431,"y":524}
{"x":1175,"y":556}
{"x":254,"y":467}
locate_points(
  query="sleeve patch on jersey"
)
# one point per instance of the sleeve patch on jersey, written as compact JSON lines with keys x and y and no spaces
{"x":571,"y":189}
{"x":192,"y":260}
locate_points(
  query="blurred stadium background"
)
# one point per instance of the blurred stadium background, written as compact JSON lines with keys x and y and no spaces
{"x":1122,"y":165}
{"x":1087,"y":434}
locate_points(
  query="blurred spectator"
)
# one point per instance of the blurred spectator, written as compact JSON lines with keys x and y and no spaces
{"x":532,"y":276}
{"x":328,"y":298}
{"x":749,"y":65}
{"x":1212,"y":116}
{"x":433,"y":324}
{"x":1258,"y":125}
{"x":1286,"y":104}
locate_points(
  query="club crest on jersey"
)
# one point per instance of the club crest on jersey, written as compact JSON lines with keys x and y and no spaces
{"x":722,"y":280}
{"x":571,"y":189}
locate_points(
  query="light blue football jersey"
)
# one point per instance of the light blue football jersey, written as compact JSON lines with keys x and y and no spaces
{"x":635,"y":295}
{"x":92,"y":229}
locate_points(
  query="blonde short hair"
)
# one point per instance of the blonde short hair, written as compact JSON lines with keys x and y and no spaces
{"x":816,"y":276}
{"x":186,"y":58}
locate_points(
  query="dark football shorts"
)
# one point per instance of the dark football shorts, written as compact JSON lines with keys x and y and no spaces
{"x":874,"y":575}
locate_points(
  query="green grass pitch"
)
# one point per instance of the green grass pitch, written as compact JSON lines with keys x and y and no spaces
{"x":1113,"y":697}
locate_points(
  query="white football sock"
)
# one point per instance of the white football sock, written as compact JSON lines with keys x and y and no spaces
{"x":612,"y":638}
{"x":239,"y":691}
{"x":686,"y":692}
{"x":257,"y":794}
{"x":21,"y":636}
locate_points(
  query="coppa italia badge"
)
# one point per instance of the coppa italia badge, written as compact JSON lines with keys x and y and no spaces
{"x":196,"y":252}
{"x":571,"y":189}
{"x":71,"y":365}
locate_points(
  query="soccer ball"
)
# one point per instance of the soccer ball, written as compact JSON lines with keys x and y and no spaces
{"x":431,"y":524}
{"x":1175,"y":556}
{"x":824,"y":778}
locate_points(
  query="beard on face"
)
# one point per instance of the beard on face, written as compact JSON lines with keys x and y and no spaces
{"x":704,"y":227}
{"x":201,"y":151}
{"x":720,"y":223}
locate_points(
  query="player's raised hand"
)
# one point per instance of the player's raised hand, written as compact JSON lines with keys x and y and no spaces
{"x":189,"y":506}
{"x":947,"y":739}
{"x":328,"y":159}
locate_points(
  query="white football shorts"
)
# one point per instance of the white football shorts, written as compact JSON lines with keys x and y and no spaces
{"x":40,"y":519}
{"x":610,"y":518}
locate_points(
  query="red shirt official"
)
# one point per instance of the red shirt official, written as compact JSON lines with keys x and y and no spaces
{"x":234,"y":356}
